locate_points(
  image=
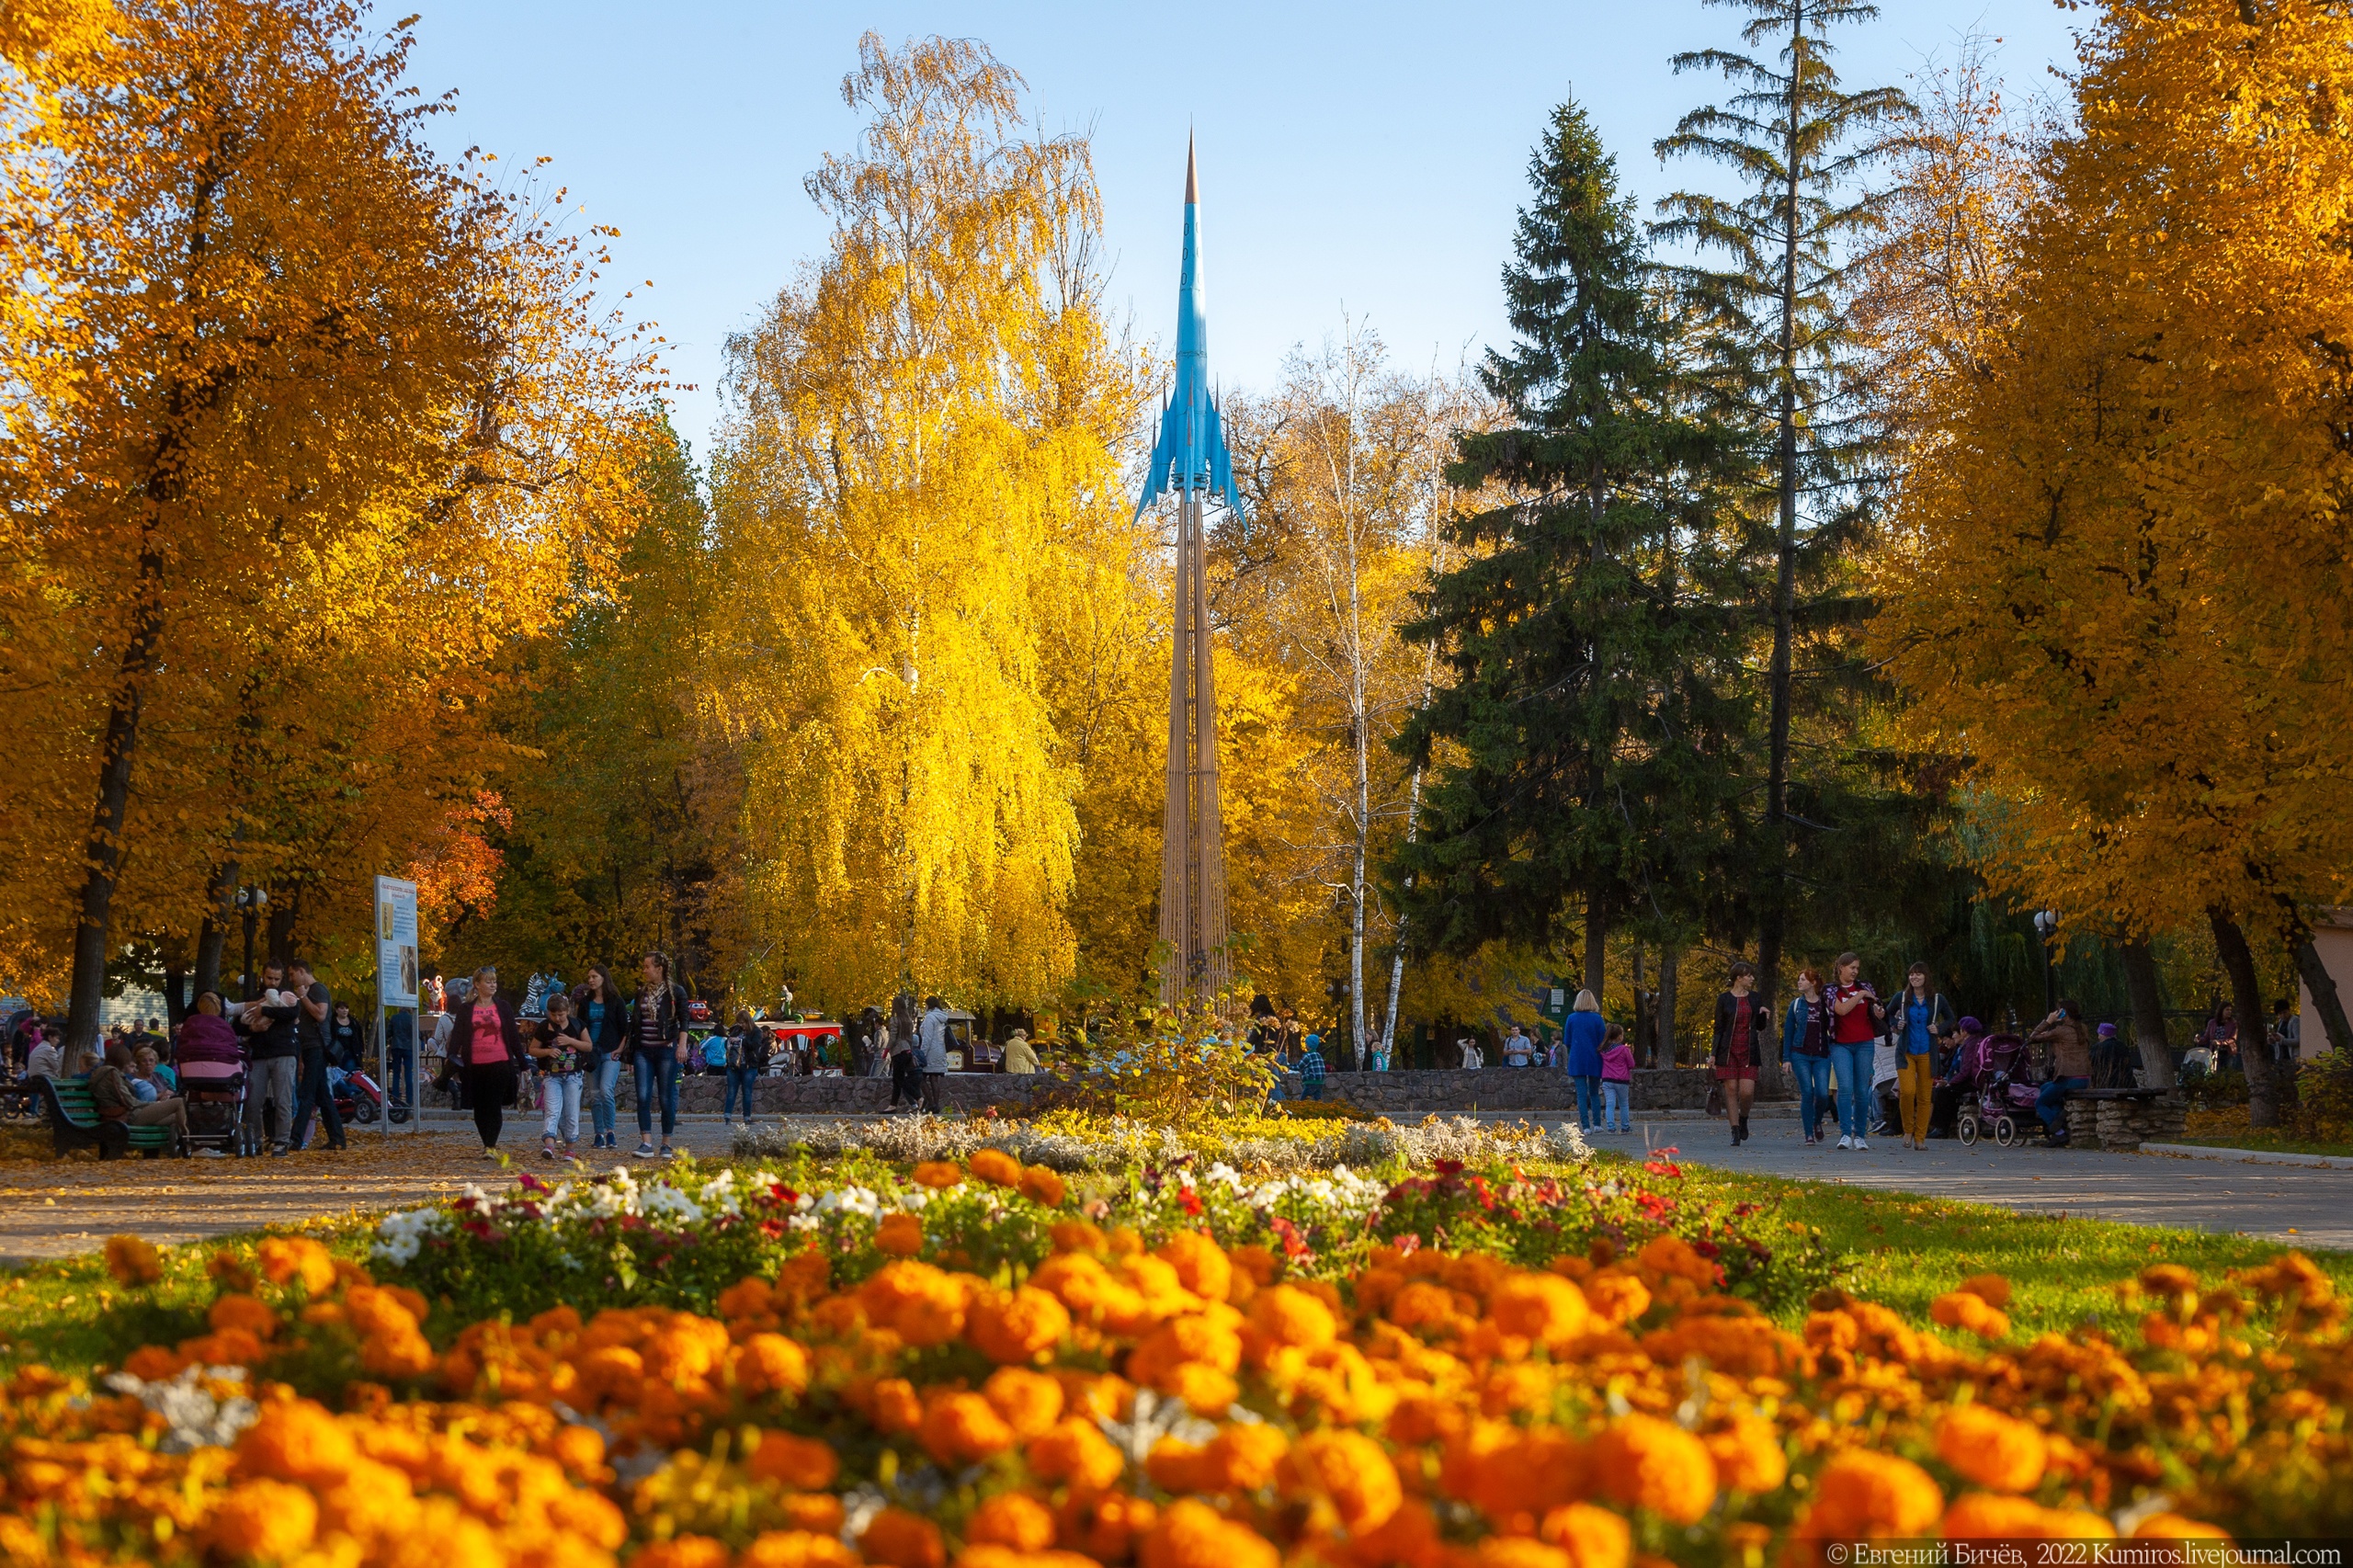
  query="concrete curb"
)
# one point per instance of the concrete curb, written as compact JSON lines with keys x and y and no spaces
{"x":2249,"y":1157}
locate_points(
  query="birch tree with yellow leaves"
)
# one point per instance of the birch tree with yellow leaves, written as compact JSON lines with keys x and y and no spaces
{"x":2124,"y":580}
{"x":918,"y":498}
{"x":281,"y":383}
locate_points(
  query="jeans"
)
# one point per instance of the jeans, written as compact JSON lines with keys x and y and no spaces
{"x":316,"y":1094}
{"x":400,"y":1076}
{"x":1613,"y":1105}
{"x":601,"y":1098}
{"x":562,"y":1092}
{"x":1851,"y":1067}
{"x":663,"y":1065}
{"x":1588,"y":1102}
{"x":270,"y":1081}
{"x":1916,"y":1087}
{"x":739,"y":1079}
{"x":2048,"y":1104}
{"x":1813,"y":1088}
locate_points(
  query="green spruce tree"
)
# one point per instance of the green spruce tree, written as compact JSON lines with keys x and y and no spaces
{"x":1583,"y":747}
{"x":1770,"y":298}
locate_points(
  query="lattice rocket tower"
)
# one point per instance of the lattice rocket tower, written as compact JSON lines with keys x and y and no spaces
{"x":1190,"y":459}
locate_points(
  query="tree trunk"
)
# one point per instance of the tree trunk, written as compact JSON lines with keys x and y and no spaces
{"x":102,"y":850}
{"x":1663,"y":1054}
{"x":1597,"y":941}
{"x":214,"y":933}
{"x":2148,"y":1016}
{"x":2327,"y":1002}
{"x":2267,"y":1096}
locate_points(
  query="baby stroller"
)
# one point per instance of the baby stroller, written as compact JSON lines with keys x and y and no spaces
{"x":216,"y":1103}
{"x":2000,"y":1100}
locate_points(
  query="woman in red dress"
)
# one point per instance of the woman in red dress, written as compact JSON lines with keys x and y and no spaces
{"x":1742,"y":1030}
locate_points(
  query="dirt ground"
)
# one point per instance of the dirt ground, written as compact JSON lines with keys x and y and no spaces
{"x":52,"y":1207}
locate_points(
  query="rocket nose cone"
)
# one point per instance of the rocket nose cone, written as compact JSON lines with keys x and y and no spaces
{"x":1192,"y":182}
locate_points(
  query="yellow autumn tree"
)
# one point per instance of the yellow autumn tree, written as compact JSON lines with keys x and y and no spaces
{"x":2123,"y":568}
{"x":292,"y":400}
{"x":919,"y":502}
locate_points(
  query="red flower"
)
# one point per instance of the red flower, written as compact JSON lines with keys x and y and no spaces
{"x":1295,"y":1245}
{"x":773,"y":1229}
{"x":1191,"y":1201}
{"x":1447,"y":1167}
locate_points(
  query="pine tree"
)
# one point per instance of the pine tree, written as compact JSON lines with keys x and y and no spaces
{"x":1782,"y":348}
{"x":1581,"y":746}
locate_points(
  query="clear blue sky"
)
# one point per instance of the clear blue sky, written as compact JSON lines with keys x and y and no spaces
{"x":1367,"y":156}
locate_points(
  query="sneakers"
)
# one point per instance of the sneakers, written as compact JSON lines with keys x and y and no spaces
{"x":668,"y":1153}
{"x":1845,"y":1140}
{"x":1860,"y":1143}
{"x":645,"y":1149}
{"x":211,"y":1153}
{"x":567,"y":1152}
{"x":490,"y":1151}
{"x":546,"y":1148}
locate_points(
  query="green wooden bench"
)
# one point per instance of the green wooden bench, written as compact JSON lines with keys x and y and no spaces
{"x":73,"y":1120}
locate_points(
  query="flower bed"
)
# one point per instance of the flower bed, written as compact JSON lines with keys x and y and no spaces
{"x":1467,"y":1369}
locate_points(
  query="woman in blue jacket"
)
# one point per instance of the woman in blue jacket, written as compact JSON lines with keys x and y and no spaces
{"x":1806,"y":1046}
{"x":1584,"y":1030}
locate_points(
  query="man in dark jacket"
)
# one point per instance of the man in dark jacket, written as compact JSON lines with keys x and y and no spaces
{"x":266,"y":1025}
{"x":314,"y":1032}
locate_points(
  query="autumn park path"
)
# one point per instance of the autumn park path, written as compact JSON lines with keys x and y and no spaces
{"x":2300,"y":1206}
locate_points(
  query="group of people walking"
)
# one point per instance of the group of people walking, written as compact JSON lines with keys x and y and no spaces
{"x":1842,"y":1042}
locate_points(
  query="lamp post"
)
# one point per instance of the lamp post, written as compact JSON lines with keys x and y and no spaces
{"x":250,"y":902}
{"x":2046,"y":925}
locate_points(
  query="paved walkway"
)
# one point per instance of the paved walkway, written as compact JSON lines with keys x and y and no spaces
{"x":2301,"y":1206}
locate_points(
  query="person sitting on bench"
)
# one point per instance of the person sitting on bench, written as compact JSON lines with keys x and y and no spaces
{"x":110,"y":1092}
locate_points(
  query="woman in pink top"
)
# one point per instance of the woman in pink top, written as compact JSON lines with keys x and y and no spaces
{"x":485,"y":1041}
{"x":1617,"y":1080}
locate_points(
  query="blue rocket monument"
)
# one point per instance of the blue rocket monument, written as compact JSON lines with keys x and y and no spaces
{"x":1190,"y":461}
{"x":1191,"y":458}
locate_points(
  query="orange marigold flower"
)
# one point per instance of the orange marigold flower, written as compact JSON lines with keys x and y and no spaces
{"x":1990,"y":1288}
{"x":1594,"y":1538}
{"x":1178,"y":1466}
{"x":769,"y":1363}
{"x":1407,"y":1537}
{"x":1044,"y":1186}
{"x":1287,"y":1315}
{"x":1077,"y":1452}
{"x":1861,"y":1492}
{"x":580,"y":1450}
{"x":1192,"y":1534}
{"x":747,"y":1299}
{"x":133,"y":1260}
{"x":267,"y":1519}
{"x":226,"y":1268}
{"x":1014,"y":1519}
{"x":1017,"y":1328}
{"x":683,"y":1552}
{"x":960,"y":1428}
{"x":1644,"y":1462}
{"x":923,"y":1304}
{"x":996,"y":1168}
{"x":939,"y":1174}
{"x":1076,"y":1235}
{"x":900,"y":1234}
{"x":1193,"y":1337}
{"x":285,"y":1259}
{"x":1259,"y":1263}
{"x":251,"y":1313}
{"x":1970,"y":1313}
{"x":1103,"y":1525}
{"x":296,"y":1440}
{"x":1200,"y":1264}
{"x":899,"y":1539}
{"x":819,"y":1512}
{"x":1982,"y":1515}
{"x":1620,"y":1298}
{"x":1672,"y":1257}
{"x":1999,"y":1452}
{"x":1351,"y":1472}
{"x":154,"y":1363}
{"x":1749,"y":1457}
{"x":891,"y":1405}
{"x":2175,"y":1526}
{"x":1541,"y":1307}
{"x":795,"y":1549}
{"x":1029,"y":1402}
{"x":1423,"y":1305}
{"x":1244,"y":1457}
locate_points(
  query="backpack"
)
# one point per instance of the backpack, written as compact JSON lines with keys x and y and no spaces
{"x":757,"y":1049}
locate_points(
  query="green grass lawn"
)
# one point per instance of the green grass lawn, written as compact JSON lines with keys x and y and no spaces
{"x":2228,"y":1129}
{"x":1906,"y":1251}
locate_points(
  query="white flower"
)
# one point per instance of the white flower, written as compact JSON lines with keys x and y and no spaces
{"x":196,"y":1418}
{"x":914,"y":1200}
{"x":804,"y":1222}
{"x":401,"y":1235}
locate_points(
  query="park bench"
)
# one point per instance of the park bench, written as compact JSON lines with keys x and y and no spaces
{"x":73,"y":1120}
{"x":2122,"y":1119}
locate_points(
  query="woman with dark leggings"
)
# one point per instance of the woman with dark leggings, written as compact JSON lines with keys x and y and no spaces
{"x":485,"y":1039}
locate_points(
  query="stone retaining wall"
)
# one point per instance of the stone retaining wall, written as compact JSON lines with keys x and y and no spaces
{"x":1400,"y":1095}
